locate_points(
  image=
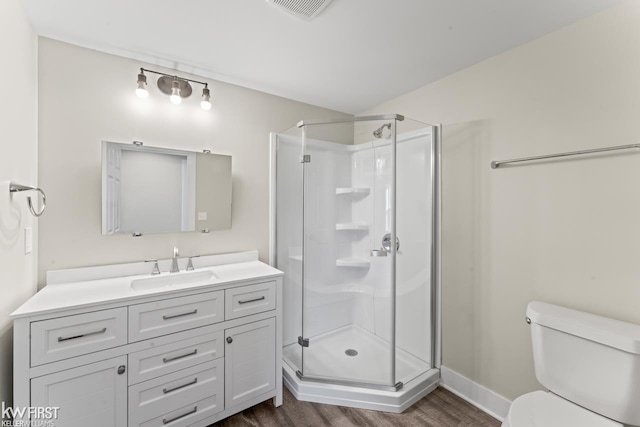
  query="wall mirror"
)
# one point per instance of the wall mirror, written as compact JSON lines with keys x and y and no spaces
{"x":160,"y":190}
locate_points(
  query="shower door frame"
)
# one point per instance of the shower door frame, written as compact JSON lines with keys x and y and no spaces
{"x":435,"y":256}
{"x":303,"y":341}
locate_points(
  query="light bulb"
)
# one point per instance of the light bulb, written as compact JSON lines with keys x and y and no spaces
{"x":142,"y":91}
{"x":206,"y":99}
{"x":175,"y":97}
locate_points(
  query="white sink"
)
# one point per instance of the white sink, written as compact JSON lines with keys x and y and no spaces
{"x":174,"y":279}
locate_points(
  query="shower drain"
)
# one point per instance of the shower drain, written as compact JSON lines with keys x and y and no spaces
{"x":350,"y":352}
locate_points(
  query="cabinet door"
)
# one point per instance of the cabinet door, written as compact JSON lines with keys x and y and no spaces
{"x":91,"y":395}
{"x":250,"y":361}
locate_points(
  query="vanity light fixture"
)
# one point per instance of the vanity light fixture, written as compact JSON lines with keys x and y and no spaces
{"x":176,"y":87}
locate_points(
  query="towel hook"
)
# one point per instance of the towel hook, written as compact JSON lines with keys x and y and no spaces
{"x":15,"y":188}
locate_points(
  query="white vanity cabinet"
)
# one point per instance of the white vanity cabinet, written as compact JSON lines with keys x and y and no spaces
{"x":109,"y":356}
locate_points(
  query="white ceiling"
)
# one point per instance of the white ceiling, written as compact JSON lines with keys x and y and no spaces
{"x":354,"y":55}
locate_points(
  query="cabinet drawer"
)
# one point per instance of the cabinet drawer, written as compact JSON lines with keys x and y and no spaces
{"x":70,"y":336}
{"x":154,"y":362}
{"x":188,"y":414}
{"x":157,"y":397}
{"x":252,"y":299}
{"x":178,"y":314}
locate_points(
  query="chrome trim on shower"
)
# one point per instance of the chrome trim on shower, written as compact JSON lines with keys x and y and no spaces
{"x":273,"y":168}
{"x":303,"y":123}
{"x":304,"y":250}
{"x":394,"y":250}
{"x":436,"y":247}
{"x":396,"y":387}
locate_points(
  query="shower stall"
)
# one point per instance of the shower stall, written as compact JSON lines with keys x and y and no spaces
{"x":355,"y":228}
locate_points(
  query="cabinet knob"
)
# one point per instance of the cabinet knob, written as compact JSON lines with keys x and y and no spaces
{"x":229,"y":340}
{"x":122,"y":369}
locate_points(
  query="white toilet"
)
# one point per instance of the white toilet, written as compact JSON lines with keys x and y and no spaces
{"x":589,"y":363}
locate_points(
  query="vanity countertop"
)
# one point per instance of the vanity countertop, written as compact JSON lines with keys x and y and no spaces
{"x":86,"y":288}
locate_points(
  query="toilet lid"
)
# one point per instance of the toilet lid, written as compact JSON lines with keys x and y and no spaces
{"x":543,"y":409}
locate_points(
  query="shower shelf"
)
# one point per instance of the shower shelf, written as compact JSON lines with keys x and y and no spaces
{"x":353,"y":262}
{"x":353,"y":191}
{"x":351,"y":226}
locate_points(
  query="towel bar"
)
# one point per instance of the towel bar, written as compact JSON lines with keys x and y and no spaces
{"x":16,"y":188}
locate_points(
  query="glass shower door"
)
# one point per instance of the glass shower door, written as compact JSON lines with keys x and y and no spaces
{"x":348,"y":292}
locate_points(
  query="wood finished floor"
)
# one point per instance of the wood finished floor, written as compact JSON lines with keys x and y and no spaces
{"x":440,"y":408}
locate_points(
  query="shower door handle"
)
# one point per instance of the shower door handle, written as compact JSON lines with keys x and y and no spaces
{"x":386,"y":246}
{"x":378,"y":252}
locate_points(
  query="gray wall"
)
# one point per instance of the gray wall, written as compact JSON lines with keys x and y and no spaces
{"x":565,"y":232}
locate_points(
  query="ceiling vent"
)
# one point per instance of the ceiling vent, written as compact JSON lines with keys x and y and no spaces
{"x":304,"y":9}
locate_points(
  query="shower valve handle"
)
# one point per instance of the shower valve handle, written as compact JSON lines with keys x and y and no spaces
{"x":386,"y":242}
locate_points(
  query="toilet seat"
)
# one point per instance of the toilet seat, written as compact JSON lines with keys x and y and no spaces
{"x":544,"y":409}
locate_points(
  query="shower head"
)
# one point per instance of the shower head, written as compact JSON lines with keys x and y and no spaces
{"x":378,"y":132}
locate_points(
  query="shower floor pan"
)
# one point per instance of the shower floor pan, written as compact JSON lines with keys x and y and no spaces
{"x":333,"y":357}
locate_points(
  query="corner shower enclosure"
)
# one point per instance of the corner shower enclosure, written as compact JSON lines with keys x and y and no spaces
{"x":361,"y":321}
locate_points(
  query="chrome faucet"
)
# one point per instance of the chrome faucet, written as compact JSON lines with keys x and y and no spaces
{"x":190,"y":263}
{"x":156,"y":269}
{"x":174,"y":261}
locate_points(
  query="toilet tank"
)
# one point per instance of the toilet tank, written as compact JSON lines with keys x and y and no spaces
{"x":590,"y":360}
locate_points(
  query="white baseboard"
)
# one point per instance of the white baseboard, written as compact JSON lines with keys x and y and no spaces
{"x":479,"y":396}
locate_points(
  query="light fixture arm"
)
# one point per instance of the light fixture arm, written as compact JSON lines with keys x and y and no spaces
{"x":173,"y":76}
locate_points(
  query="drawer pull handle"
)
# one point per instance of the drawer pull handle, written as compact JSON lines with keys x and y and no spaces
{"x":170,"y":420}
{"x":101,"y":331}
{"x":171,"y":359}
{"x":180,"y":315}
{"x":251,"y":300}
{"x":169,"y":390}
